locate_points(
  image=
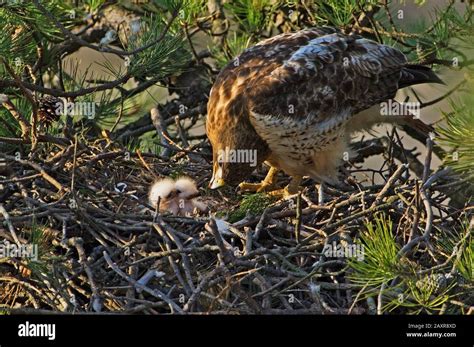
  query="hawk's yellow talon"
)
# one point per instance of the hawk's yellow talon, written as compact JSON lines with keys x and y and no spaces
{"x":267,"y":185}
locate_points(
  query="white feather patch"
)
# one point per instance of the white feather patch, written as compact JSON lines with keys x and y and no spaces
{"x":160,"y":190}
{"x":186,"y":186}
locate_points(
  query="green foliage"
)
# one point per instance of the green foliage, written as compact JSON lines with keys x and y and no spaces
{"x":458,"y":133}
{"x":25,"y":28}
{"x":14,"y":46}
{"x":253,"y":204}
{"x":190,"y":10}
{"x":107,"y":104}
{"x":334,"y":12}
{"x":250,"y":14}
{"x":465,"y":264}
{"x":339,"y":13}
{"x":445,"y":35}
{"x":235,"y":45}
{"x":39,"y":237}
{"x":464,"y":261}
{"x":147,"y":143}
{"x":94,"y":5}
{"x":404,"y":284}
{"x":8,"y":125}
{"x":380,"y":262}
{"x":447,"y":26}
{"x":420,"y":296}
{"x":178,"y":171}
{"x":159,"y":60}
{"x":25,"y":13}
{"x":167,"y":5}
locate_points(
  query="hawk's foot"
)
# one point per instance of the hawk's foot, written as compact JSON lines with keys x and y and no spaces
{"x":256,"y":187}
{"x":268,"y":184}
{"x":291,"y":189}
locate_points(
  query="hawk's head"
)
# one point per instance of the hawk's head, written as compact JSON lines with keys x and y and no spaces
{"x":236,"y":147}
{"x":233,"y":161}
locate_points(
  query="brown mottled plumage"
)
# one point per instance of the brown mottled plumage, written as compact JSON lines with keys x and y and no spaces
{"x":296,"y":98}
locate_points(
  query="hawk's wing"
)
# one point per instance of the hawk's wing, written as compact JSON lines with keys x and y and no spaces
{"x":308,"y":83}
{"x":322,"y":76}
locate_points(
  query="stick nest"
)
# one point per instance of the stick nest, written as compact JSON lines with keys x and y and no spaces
{"x":103,"y":249}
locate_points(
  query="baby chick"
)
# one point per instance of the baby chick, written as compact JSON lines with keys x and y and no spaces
{"x":187,"y":194}
{"x":163,"y":193}
{"x":177,"y":197}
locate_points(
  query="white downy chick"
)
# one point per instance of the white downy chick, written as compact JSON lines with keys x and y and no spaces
{"x":164,"y":192}
{"x":186,"y":188}
{"x":177,"y":197}
{"x":187,"y":193}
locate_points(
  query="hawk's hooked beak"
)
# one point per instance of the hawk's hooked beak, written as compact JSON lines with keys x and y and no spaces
{"x":216,"y":180}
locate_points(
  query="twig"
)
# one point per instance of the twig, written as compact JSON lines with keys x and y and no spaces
{"x":154,"y":292}
{"x":6,"y":216}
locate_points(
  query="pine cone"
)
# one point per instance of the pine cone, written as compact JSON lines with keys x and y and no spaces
{"x":47,"y":110}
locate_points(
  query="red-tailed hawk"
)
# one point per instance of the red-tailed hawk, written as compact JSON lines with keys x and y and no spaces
{"x":294,"y":100}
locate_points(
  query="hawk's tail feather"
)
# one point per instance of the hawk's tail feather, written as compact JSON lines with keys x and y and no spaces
{"x":416,"y":74}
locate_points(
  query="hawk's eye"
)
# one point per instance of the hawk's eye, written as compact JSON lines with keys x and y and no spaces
{"x":178,"y":191}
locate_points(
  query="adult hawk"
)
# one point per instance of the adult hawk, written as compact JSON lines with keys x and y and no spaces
{"x":295,"y":99}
